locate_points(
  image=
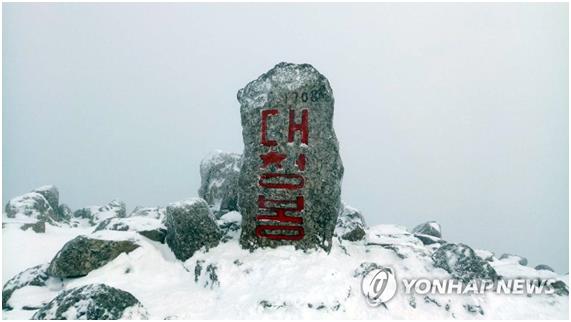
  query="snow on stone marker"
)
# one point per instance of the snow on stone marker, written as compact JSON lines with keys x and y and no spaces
{"x":290,"y":180}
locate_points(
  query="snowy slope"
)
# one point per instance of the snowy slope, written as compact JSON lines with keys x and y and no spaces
{"x":229,"y":282}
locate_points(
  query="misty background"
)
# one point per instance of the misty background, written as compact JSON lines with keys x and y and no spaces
{"x":452,"y":112}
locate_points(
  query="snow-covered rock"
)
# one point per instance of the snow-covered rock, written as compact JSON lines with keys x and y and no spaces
{"x":83,"y":254}
{"x":350,"y":224}
{"x":191,"y":226}
{"x":150,"y":227}
{"x":281,"y":283}
{"x":219,"y":173}
{"x":462,"y":263}
{"x":93,"y":215}
{"x":430,"y":228}
{"x":92,"y":302}
{"x":149,"y":212}
{"x":30,"y":208}
{"x":543,"y":267}
{"x":34,"y":276}
{"x":514,"y":258}
{"x":229,"y":225}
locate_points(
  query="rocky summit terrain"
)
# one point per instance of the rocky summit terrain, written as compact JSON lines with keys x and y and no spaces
{"x":267,"y":237}
{"x":185,"y":261}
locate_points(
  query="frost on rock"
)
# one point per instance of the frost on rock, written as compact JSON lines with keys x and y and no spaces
{"x":30,"y":207}
{"x":291,"y":160}
{"x":92,"y":302}
{"x":34,"y":276}
{"x":190,"y":226}
{"x":462,"y":263}
{"x":230,"y":225}
{"x":219,"y":173}
{"x":93,"y":215}
{"x":350,"y":224}
{"x":82,"y":254}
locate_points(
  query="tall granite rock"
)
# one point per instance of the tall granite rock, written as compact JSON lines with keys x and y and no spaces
{"x":290,"y":179}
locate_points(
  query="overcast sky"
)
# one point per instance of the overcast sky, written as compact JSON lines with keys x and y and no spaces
{"x":453,"y":113}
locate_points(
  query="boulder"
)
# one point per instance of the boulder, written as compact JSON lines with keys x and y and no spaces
{"x":543,"y":267}
{"x":219,"y":173}
{"x":82,"y":254}
{"x":350,"y":224}
{"x":514,"y":258}
{"x":462,"y":263}
{"x":51,"y":194}
{"x":30,"y":207}
{"x":96,"y":214}
{"x":191,"y":226}
{"x":65,"y":212}
{"x":34,"y":276}
{"x":92,"y":302}
{"x":430,"y":228}
{"x":290,"y":179}
{"x":149,"y":227}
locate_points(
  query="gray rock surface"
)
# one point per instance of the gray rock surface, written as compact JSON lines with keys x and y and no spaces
{"x":191,"y":226}
{"x":219,"y":173}
{"x":92,"y":302}
{"x":519,"y":259}
{"x":82,"y":254}
{"x":290,"y":151}
{"x":34,"y":276}
{"x":350,"y":224}
{"x":462,"y":263}
{"x":430,"y":228}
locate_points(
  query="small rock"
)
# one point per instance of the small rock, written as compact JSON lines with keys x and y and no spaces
{"x":149,"y":212}
{"x":149,"y":227}
{"x":560,"y":288}
{"x":543,"y":267}
{"x":38,"y":227}
{"x":219,"y":181}
{"x":365,"y":268}
{"x":191,"y":226}
{"x":96,"y":214}
{"x":430,"y":228}
{"x":462,"y":263}
{"x":516,"y":258}
{"x":92,"y":302}
{"x":81,"y":255}
{"x":35,"y":276}
{"x":350,"y":224}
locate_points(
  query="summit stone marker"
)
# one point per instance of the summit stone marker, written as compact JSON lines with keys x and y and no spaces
{"x":290,"y":179}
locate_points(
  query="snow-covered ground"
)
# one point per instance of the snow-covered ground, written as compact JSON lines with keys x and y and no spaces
{"x":230,"y":282}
